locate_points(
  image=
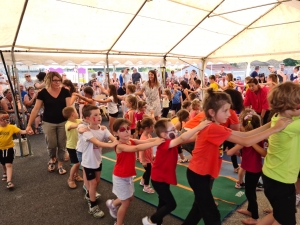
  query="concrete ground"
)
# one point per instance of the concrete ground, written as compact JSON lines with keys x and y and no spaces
{"x":40,"y":197}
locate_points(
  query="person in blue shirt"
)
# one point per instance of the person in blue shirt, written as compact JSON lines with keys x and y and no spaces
{"x":176,"y":99}
{"x":121,"y":78}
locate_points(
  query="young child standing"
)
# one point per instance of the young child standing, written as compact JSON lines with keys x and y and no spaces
{"x":91,"y":144}
{"x":71,"y":114}
{"x":123,"y":185}
{"x":131,"y":104}
{"x":167,"y":97}
{"x":112,"y":105}
{"x":196,"y":107}
{"x":251,"y":163}
{"x":163,"y":172}
{"x":281,"y":164}
{"x":7,"y":152}
{"x":146,"y":157}
{"x":176,"y":99}
{"x":206,"y":162}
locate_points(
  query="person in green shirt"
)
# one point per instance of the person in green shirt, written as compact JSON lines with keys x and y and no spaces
{"x":282,"y":163}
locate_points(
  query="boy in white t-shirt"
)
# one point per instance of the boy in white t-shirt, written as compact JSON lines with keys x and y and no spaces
{"x":91,"y":144}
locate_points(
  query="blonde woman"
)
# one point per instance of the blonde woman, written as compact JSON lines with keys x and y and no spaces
{"x":55,"y":98}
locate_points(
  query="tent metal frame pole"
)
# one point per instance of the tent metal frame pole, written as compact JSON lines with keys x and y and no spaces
{"x":135,"y":15}
{"x":17,"y":77}
{"x":189,"y":64}
{"x":242,"y":30}
{"x":194,"y":27}
{"x":253,"y":7}
{"x":107,"y":69}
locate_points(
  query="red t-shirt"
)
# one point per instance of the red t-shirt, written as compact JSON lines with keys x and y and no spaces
{"x":233,"y":119}
{"x":125,"y":165}
{"x":252,"y":161}
{"x":206,"y":158}
{"x":257,"y":100}
{"x":164,"y":165}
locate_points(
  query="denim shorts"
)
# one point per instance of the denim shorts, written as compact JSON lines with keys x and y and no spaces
{"x":79,"y":156}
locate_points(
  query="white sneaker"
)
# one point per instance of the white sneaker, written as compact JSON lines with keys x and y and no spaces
{"x":297,"y":199}
{"x":113,"y":211}
{"x":146,"y":221}
{"x":96,"y":212}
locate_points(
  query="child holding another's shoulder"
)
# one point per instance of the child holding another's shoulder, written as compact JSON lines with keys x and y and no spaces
{"x":7,"y":152}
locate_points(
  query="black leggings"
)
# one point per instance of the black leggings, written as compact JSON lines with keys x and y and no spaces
{"x":165,"y":112}
{"x":204,"y":205}
{"x":166,"y":201}
{"x":230,"y":145}
{"x":146,"y":175}
{"x":251,"y":180}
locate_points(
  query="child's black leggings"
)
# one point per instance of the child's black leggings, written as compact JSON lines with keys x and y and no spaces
{"x":251,"y":180}
{"x":147,"y":173}
{"x":204,"y":206}
{"x":166,"y":201}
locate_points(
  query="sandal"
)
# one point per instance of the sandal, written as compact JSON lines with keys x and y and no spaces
{"x":9,"y":185}
{"x":51,"y":167}
{"x":61,"y":171}
{"x":185,"y":160}
{"x":71,"y":184}
{"x":78,"y":178}
{"x":4,"y":177}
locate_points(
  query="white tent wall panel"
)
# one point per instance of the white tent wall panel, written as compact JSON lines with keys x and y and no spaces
{"x":61,"y":25}
{"x":10,"y":15}
{"x":158,"y":27}
{"x":269,"y":42}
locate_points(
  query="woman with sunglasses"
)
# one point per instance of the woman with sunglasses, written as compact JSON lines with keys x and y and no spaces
{"x":54,"y":98}
{"x":8,"y":105}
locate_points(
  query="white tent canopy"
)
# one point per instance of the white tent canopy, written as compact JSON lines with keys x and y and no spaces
{"x":144,"y":32}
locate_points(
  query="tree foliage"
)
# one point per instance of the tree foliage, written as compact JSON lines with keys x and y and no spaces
{"x":290,"y":62}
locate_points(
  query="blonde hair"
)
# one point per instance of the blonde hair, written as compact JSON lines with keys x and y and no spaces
{"x":131,"y":88}
{"x":285,"y":96}
{"x":168,"y":93}
{"x":196,"y":104}
{"x":133,"y":100}
{"x":67,"y":111}
{"x":49,"y":78}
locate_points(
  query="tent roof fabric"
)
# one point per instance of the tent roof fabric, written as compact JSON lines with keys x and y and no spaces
{"x":145,"y":31}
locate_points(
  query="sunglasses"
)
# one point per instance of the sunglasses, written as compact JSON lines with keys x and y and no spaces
{"x":123,"y":129}
{"x":5,"y":118}
{"x":27,"y":76}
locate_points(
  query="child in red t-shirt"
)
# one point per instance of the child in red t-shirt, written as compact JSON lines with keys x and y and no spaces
{"x":251,"y":163}
{"x":123,"y":185}
{"x":146,"y":157}
{"x":206,"y":161}
{"x":164,"y":167}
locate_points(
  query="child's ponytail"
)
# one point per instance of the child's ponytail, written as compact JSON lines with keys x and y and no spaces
{"x":250,"y":120}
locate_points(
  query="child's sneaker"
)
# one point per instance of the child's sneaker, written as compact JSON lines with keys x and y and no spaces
{"x":96,"y":212}
{"x":112,"y":210}
{"x":239,"y":186}
{"x":297,"y":199}
{"x":259,"y":186}
{"x":146,"y":221}
{"x":88,"y":198}
{"x":148,"y":190}
{"x":142,"y":182}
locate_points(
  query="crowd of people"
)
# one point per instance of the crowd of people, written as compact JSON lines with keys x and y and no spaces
{"x":208,"y":118}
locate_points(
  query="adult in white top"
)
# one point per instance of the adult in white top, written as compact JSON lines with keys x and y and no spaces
{"x":223,"y":82}
{"x":28,"y":81}
{"x":3,"y":83}
{"x":126,"y":76}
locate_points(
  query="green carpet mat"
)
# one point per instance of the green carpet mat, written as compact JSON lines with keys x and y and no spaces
{"x":224,"y":192}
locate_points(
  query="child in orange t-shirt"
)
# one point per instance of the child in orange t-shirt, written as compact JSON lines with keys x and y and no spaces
{"x":206,"y":161}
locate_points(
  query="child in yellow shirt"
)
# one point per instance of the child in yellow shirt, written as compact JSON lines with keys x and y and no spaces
{"x":6,"y":146}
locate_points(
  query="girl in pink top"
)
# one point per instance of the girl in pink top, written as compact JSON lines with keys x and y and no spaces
{"x":131,"y":104}
{"x":146,"y":157}
{"x":251,"y":163}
